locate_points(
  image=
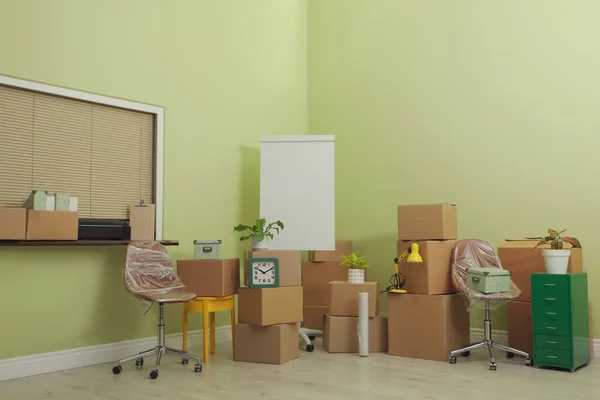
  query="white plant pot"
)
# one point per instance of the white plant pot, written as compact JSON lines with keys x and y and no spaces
{"x":256,"y":245}
{"x":557,"y":261}
{"x":356,"y":276}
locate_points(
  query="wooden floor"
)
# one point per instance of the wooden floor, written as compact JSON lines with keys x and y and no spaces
{"x":317,"y":375}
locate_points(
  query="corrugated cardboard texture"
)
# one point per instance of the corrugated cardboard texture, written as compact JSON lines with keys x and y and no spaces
{"x":342,"y":248}
{"x":274,"y":344}
{"x":518,"y":258}
{"x":344,"y":298}
{"x":210,"y":278}
{"x":52,"y":225}
{"x":290,"y":265}
{"x":427,"y":222}
{"x":520,"y":329}
{"x":340,"y":334}
{"x":434,"y":274}
{"x":427,"y":327}
{"x":314,"y":317}
{"x":270,"y":306}
{"x":316,"y":279}
{"x":13,"y":223}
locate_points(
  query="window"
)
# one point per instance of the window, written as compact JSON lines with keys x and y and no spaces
{"x":103,"y":151}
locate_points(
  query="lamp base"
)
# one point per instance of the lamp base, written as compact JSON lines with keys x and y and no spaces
{"x":398,"y":291}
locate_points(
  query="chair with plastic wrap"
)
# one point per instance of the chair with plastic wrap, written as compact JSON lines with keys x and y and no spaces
{"x":149,"y":276}
{"x":472,"y":253}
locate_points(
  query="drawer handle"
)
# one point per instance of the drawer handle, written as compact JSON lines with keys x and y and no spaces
{"x":550,"y":298}
{"x":551,"y":327}
{"x":550,"y":313}
{"x":549,"y":284}
{"x":550,"y":342}
{"x":552,"y":357}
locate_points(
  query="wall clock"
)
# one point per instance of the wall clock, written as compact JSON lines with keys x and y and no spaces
{"x":264,"y":273}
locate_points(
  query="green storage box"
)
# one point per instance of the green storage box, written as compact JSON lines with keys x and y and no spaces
{"x":488,"y":280}
{"x":207,"y":249}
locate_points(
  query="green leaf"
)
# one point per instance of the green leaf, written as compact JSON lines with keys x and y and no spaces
{"x":241,"y":228}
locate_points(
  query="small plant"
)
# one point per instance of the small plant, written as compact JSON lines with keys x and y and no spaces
{"x":260,"y":229}
{"x":555,"y":240}
{"x":354,"y":262}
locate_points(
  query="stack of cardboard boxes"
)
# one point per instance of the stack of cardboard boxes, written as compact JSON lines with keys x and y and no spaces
{"x":269,"y":318}
{"x":432,"y":319}
{"x":518,"y":257}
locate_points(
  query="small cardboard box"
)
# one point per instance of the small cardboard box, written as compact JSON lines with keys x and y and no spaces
{"x":275,"y":344}
{"x":271,"y":306}
{"x":434,"y":274}
{"x":341,"y":334}
{"x":520,"y":329}
{"x":316,"y":279}
{"x":344,"y":298}
{"x":13,"y":223}
{"x":517,"y":257}
{"x":314,"y":317}
{"x":427,"y":327}
{"x":52,"y":225}
{"x":210,"y":278}
{"x":427,"y":222}
{"x":342,"y":248}
{"x":290,"y":265}
{"x":488,"y":280}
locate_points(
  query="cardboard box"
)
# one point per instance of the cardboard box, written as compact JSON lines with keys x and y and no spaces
{"x":342,"y":248}
{"x":427,"y":222}
{"x":314,"y":317}
{"x":290,"y":265}
{"x":274,"y":344}
{"x":52,"y":225}
{"x":344,"y":298}
{"x":271,"y":306}
{"x":13,"y":223}
{"x":341,"y":334}
{"x":517,"y":257}
{"x":434,"y":274}
{"x":316,"y":279}
{"x":520,"y":326}
{"x":427,"y":327}
{"x":210,"y":278}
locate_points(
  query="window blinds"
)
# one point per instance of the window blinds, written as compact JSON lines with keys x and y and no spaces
{"x":103,"y":155}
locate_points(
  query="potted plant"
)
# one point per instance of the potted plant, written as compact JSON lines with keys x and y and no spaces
{"x":356,"y":268}
{"x":556,"y":258}
{"x":261,"y":232}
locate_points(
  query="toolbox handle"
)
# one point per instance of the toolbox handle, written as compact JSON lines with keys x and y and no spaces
{"x":475,"y":279}
{"x":207,"y":249}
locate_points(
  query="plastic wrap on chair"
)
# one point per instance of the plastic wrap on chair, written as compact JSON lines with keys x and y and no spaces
{"x":149,"y":274}
{"x":473,"y":253}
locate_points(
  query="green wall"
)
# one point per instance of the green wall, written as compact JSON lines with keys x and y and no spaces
{"x":489,"y":105}
{"x":226,"y":72}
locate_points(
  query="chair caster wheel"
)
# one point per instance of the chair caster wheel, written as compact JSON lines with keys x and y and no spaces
{"x":312,"y":337}
{"x":198,"y":368}
{"x":139,"y":362}
{"x":466,"y":353}
{"x":492,"y":366}
{"x":117,"y":370}
{"x":154,"y":374}
{"x":185,"y":361}
{"x":452,"y":360}
{"x":510,"y":354}
{"x":310,"y":348}
{"x":528,"y":361}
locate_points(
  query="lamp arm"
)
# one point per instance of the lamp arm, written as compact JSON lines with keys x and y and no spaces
{"x":398,"y":259}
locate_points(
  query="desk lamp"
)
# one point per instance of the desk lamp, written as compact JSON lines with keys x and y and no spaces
{"x":397,"y":280}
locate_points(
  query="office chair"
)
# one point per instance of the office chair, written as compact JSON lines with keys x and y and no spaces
{"x":472,"y":253}
{"x":149,"y":276}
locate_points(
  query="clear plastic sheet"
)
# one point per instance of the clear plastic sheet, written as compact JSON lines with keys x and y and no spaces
{"x":149,"y":274}
{"x":474,"y":253}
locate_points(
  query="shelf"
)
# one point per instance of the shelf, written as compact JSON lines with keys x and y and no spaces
{"x":77,"y":243}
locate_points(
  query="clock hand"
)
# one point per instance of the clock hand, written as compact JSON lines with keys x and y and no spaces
{"x":267,"y":270}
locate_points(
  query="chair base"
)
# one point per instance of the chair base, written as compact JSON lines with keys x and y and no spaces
{"x":308,"y":335}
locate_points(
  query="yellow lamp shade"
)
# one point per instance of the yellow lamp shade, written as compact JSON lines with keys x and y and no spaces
{"x":414,"y":256}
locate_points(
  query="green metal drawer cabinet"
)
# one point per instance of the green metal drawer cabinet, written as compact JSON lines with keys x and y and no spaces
{"x":561,"y":325}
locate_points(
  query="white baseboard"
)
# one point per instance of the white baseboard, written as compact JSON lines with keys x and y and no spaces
{"x":37,"y":364}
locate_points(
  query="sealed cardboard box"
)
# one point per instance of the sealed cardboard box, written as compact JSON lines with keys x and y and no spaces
{"x":314,"y":317}
{"x":344,"y":298}
{"x":290,"y":265}
{"x":342,"y":248}
{"x":520,"y":331}
{"x":52,"y":225}
{"x":316,"y":279}
{"x":13,"y":223}
{"x":275,"y":344}
{"x":518,"y":257}
{"x":271,"y":306}
{"x":341,"y":334}
{"x":210,"y":278}
{"x":427,"y":222}
{"x":434,"y":274}
{"x":428,"y":327}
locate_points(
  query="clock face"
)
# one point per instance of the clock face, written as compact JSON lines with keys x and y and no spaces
{"x":264,"y":273}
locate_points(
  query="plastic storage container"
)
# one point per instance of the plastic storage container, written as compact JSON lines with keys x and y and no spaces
{"x":488,"y":280}
{"x":207,"y":249}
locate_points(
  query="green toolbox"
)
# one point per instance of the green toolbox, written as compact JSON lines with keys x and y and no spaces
{"x":561,"y":324}
{"x":488,"y":280}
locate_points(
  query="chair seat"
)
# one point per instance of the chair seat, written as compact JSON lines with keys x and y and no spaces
{"x":169,"y":295}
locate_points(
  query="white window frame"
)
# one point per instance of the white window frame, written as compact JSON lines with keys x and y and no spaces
{"x":159,"y":113}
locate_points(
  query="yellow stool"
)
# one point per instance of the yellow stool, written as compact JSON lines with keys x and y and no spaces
{"x":208,"y":306}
